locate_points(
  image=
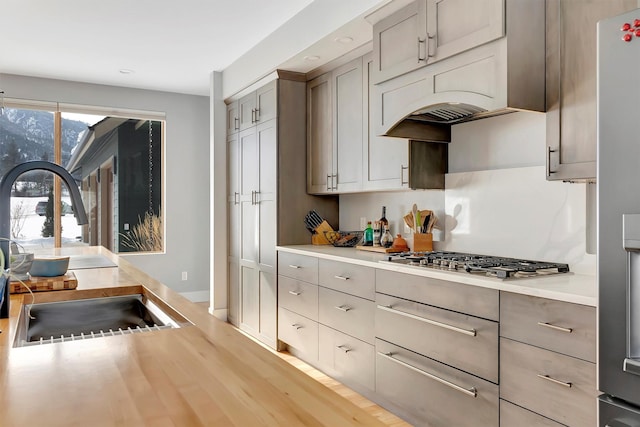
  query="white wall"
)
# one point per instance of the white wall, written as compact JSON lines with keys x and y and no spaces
{"x":186,"y":156}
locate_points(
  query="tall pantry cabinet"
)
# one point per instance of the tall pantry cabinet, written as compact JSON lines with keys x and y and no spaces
{"x":266,"y":197}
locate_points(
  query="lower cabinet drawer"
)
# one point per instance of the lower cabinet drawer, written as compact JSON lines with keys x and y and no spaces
{"x":465,"y":342}
{"x":299,"y":333}
{"x":298,"y":296}
{"x":514,"y":416}
{"x":431,"y":393}
{"x":559,"y":387}
{"x":347,"y":313}
{"x":347,"y":359}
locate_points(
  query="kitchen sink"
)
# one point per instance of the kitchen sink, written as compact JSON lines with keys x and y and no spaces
{"x":82,"y":319}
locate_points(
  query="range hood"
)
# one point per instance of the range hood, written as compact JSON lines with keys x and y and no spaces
{"x":495,"y":78}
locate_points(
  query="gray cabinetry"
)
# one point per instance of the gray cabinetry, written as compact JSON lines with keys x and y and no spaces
{"x":435,"y":362}
{"x":571,"y":84}
{"x":515,"y":416}
{"x":427,"y":31}
{"x":233,"y":118}
{"x":336,"y":128}
{"x":427,"y":392}
{"x":266,"y":191}
{"x":547,"y":358}
{"x":399,"y":41}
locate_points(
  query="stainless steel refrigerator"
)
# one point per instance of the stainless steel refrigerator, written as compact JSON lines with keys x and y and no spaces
{"x":618,"y":183}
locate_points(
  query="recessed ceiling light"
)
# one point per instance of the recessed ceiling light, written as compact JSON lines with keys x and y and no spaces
{"x":125,"y":71}
{"x":311,"y":58}
{"x":344,"y":40}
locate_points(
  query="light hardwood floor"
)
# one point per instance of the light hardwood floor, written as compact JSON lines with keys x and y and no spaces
{"x":357,"y":399}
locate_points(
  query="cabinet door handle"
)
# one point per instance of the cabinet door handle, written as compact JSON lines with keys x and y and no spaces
{"x":256,"y":195}
{"x":341,"y":277}
{"x":295,"y":293}
{"x":344,"y":348}
{"x":470,"y":332}
{"x":257,"y":113}
{"x":549,"y":151}
{"x":402,"y":181}
{"x":555,"y":327}
{"x":236,"y":198}
{"x":236,"y":123}
{"x":473,"y":392}
{"x":334,"y":181}
{"x":253,"y":115}
{"x":297,"y":326}
{"x":329,"y":187}
{"x":294,"y":266}
{"x":420,"y":57}
{"x":343,"y":307}
{"x":555,"y":381}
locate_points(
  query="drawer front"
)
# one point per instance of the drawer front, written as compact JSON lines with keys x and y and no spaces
{"x":465,"y":342}
{"x":299,"y":267}
{"x":473,"y":300}
{"x":352,"y":315}
{"x":349,"y":278}
{"x":348,"y":359}
{"x":514,"y":416}
{"x":298,"y":332}
{"x":298,"y":296}
{"x":559,"y":387}
{"x":431,"y":393}
{"x":555,"y":325}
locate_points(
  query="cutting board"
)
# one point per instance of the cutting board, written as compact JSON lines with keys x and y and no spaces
{"x":44,"y":284}
{"x":378,"y":249}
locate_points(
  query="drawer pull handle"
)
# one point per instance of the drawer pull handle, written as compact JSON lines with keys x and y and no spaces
{"x":344,"y":308}
{"x":341,"y":277}
{"x":295,"y":293}
{"x":470,"y":332}
{"x":297,"y":326}
{"x":555,"y":381}
{"x":344,"y":348}
{"x":473,"y":392}
{"x":554,"y":327}
{"x":294,"y":266}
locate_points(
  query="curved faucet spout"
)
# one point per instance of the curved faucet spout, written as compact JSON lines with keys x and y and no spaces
{"x":6,"y":182}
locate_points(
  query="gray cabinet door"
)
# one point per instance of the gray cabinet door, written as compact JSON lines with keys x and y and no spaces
{"x":386,"y":160}
{"x":571,"y":84}
{"x":348,"y":119}
{"x":247,"y":111}
{"x":454,"y":26}
{"x":266,"y":102}
{"x":400,"y":42}
{"x":233,"y":119}
{"x":320,"y":175}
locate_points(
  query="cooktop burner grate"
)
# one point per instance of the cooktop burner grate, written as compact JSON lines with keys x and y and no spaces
{"x":500,"y":267}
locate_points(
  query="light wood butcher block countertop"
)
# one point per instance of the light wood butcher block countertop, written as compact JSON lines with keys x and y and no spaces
{"x":205,"y":374}
{"x":567,"y":287}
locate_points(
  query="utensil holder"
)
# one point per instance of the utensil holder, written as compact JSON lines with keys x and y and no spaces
{"x":423,"y":242}
{"x":320,"y":238}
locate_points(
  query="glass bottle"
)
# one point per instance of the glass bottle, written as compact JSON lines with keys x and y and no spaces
{"x":377,"y":233}
{"x":383,"y":221}
{"x":387,"y":238}
{"x":368,"y":235}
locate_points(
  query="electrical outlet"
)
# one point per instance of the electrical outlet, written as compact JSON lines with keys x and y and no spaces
{"x":126,"y":226}
{"x":184,"y":275}
{"x":363,"y":222}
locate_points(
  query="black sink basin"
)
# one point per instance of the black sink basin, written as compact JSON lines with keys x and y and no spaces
{"x":90,"y":318}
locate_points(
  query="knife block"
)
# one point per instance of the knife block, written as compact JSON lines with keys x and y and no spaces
{"x":320,"y":238}
{"x":423,"y":242}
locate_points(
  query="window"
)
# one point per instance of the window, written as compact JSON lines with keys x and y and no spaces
{"x":117,"y":163}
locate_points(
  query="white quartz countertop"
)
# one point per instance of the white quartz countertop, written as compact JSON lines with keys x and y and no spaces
{"x":567,"y":287}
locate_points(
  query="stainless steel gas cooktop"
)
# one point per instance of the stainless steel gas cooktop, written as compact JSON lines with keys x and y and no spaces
{"x":489,"y":265}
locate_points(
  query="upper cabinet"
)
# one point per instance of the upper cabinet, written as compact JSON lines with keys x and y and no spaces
{"x":233,"y":119}
{"x":571,"y":85}
{"x":427,"y":31}
{"x":256,"y":107}
{"x":335,"y":129}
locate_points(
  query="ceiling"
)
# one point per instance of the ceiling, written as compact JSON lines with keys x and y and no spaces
{"x":164,"y":45}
